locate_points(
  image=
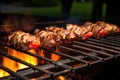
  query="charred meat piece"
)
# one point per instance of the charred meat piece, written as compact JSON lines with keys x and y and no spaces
{"x":48,"y":39}
{"x":54,"y":36}
{"x":101,"y":29}
{"x":81,"y":32}
{"x":110,"y":28}
{"x":23,"y":40}
{"x":97,"y":29}
{"x":66,"y":36}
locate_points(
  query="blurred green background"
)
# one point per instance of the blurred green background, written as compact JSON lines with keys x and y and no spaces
{"x":81,"y":8}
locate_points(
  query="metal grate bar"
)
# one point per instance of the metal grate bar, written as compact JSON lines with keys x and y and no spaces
{"x":35,"y":55}
{"x":100,"y":52}
{"x":44,"y":58}
{"x":114,"y":38}
{"x":14,"y":74}
{"x":102,"y":41}
{"x":104,"y":48}
{"x":83,"y":53}
{"x":94,"y":46}
{"x":96,"y":58}
{"x":65,"y":55}
{"x":61,"y":72}
{"x":111,"y":41}
{"x":51,"y":66}
{"x":43,"y":78}
{"x":28,"y":64}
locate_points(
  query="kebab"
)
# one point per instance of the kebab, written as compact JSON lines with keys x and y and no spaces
{"x":54,"y":36}
{"x":23,"y":40}
{"x":101,"y":29}
{"x":66,"y":36}
{"x":72,"y":32}
{"x":48,"y":39}
{"x":81,"y":32}
{"x":110,"y":28}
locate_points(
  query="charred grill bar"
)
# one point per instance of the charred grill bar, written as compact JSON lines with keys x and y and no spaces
{"x":88,"y":53}
{"x":75,"y":57}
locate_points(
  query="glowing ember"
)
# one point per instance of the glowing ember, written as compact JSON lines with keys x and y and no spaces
{"x":22,"y":24}
{"x":17,"y":23}
{"x":61,"y":78}
{"x":55,"y":57}
{"x":3,"y":73}
{"x":13,"y":65}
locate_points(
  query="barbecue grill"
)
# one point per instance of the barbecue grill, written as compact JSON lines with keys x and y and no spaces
{"x":81,"y":57}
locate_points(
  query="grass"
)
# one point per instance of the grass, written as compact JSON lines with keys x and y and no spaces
{"x":47,"y":11}
{"x":81,"y":10}
{"x":84,"y":10}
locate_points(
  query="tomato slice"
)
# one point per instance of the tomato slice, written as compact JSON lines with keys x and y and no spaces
{"x":102,"y":32}
{"x":34,"y":45}
{"x":87,"y":35}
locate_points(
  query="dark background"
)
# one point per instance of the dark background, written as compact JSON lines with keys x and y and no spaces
{"x":67,"y":10}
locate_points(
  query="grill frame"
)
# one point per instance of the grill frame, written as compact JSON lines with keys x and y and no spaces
{"x":90,"y":44}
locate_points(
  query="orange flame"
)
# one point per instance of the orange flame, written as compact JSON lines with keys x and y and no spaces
{"x":55,"y":57}
{"x":17,"y":23}
{"x":61,"y":77}
{"x":13,"y":65}
{"x":26,"y":26}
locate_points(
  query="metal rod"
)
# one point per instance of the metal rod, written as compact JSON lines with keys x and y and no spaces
{"x":115,"y":38}
{"x":65,"y":55}
{"x":35,"y":55}
{"x":94,"y":46}
{"x":111,"y":41}
{"x":100,"y":52}
{"x":83,"y":53}
{"x":107,"y":49}
{"x":44,"y":58}
{"x":14,"y":73}
{"x":51,"y":67}
{"x":43,"y":78}
{"x":66,"y":67}
{"x":102,"y":43}
{"x":87,"y":54}
{"x":28,"y":64}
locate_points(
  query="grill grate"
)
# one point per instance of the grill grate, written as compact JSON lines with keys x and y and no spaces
{"x":83,"y":53}
{"x":13,"y":73}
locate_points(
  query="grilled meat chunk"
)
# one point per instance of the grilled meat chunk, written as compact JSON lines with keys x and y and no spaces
{"x":54,"y":36}
{"x":48,"y":39}
{"x":101,"y":29}
{"x":81,"y":32}
{"x":66,"y":36}
{"x":110,"y":28}
{"x":23,"y":40}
